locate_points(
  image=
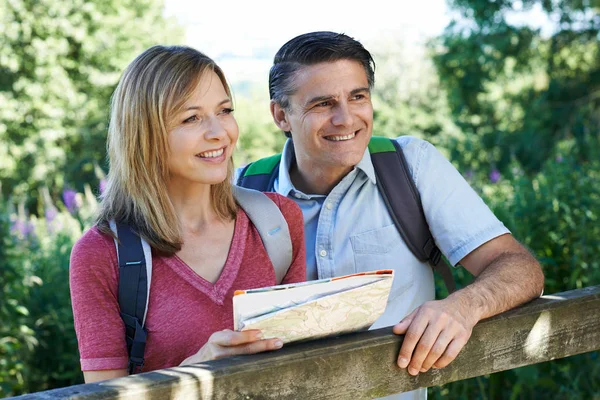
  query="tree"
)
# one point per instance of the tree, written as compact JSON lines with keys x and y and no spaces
{"x":408,"y":98}
{"x":59,"y":63}
{"x":528,"y":102}
{"x":517,"y":93}
{"x":259,"y":136}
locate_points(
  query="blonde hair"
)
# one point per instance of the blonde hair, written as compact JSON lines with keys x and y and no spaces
{"x":152,"y":90}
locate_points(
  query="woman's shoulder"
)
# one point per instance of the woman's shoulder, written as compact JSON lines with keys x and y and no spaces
{"x":93,"y":243}
{"x":94,"y":237}
{"x":286,"y":205}
{"x":281,"y":200}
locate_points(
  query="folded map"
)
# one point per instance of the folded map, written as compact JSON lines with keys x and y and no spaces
{"x":314,"y":309}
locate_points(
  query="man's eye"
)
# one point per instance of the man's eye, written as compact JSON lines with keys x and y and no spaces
{"x":193,"y":118}
{"x":323,"y":104}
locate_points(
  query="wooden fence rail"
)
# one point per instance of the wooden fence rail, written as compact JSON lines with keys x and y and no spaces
{"x":362,"y":365}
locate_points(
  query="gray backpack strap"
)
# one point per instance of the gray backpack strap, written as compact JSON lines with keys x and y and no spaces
{"x":271,"y":226}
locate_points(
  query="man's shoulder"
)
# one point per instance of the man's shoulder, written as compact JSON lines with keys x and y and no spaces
{"x":412,"y":145}
{"x":414,"y":150}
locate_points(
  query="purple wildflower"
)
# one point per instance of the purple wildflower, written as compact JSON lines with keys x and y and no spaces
{"x":29,"y":229}
{"x":495,"y":175}
{"x":70,"y":200}
{"x":18,"y":227}
{"x":22,"y":228}
{"x":102,"y":185}
{"x":559,"y":159}
{"x":50,"y":213}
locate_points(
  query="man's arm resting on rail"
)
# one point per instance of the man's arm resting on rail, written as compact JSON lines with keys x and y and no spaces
{"x":507,"y":275}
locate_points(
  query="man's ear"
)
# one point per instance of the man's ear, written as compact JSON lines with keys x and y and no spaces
{"x":280,"y":116}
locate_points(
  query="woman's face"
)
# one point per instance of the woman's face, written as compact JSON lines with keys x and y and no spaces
{"x":203,"y":135}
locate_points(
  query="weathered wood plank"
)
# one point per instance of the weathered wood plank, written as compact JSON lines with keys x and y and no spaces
{"x":362,"y":366}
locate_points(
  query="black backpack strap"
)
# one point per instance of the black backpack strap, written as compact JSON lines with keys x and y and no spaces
{"x":261,"y":174}
{"x":402,"y":199}
{"x":133,"y":285}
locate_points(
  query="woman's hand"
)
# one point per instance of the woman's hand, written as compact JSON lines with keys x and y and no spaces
{"x":228,"y":343}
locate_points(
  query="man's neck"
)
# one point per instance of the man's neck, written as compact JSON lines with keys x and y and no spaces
{"x":314,"y":180}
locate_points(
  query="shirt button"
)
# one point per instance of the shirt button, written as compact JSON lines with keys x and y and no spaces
{"x":323,"y":253}
{"x":329,"y":206}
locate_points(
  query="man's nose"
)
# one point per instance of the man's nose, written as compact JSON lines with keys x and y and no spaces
{"x":342,"y":115}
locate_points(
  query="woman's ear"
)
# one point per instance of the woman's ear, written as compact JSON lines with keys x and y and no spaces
{"x":280,"y":116}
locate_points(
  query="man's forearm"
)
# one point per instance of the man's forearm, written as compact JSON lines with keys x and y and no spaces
{"x":511,"y":279}
{"x":507,"y":275}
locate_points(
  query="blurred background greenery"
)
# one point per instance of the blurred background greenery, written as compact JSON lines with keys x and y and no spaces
{"x":516,"y":109}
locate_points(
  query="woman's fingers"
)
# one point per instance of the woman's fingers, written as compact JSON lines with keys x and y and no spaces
{"x":250,"y":348}
{"x":228,"y":337}
{"x":228,"y":343}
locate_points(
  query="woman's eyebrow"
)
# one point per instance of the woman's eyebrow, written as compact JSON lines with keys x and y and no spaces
{"x":194,"y":107}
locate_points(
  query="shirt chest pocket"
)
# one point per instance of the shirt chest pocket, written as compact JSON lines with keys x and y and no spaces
{"x":383,"y":248}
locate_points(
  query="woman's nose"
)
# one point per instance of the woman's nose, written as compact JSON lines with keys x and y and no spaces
{"x":216,"y":130}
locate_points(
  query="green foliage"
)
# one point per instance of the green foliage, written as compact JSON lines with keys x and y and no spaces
{"x":259,"y":136}
{"x":527,"y":105}
{"x":38,"y":348}
{"x":16,"y":337}
{"x":515,"y":93}
{"x":408,"y":98}
{"x":59,"y":63}
{"x":555,"y":214}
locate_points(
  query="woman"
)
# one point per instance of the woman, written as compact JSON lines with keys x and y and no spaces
{"x":170,"y":141}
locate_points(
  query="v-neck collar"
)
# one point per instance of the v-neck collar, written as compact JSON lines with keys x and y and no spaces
{"x":219,"y":289}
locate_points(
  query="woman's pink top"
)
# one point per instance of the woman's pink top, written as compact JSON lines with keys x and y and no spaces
{"x":184,"y":309}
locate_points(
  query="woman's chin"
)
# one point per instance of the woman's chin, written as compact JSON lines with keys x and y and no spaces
{"x":198,"y":180}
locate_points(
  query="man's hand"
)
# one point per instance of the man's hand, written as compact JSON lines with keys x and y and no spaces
{"x":507,"y":275}
{"x":434,"y":335}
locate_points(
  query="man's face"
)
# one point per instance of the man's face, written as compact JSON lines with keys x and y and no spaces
{"x":330,"y":116}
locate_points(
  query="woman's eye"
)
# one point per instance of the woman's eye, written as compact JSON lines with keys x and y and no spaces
{"x":227,"y":111}
{"x":191,"y":119}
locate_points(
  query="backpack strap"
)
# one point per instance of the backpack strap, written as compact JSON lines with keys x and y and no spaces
{"x":402,"y":199}
{"x":271,"y":226}
{"x":135,"y":276}
{"x":260,"y":175}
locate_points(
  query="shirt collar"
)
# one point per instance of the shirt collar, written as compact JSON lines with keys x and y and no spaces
{"x":366,"y":166}
{"x":287,"y":156}
{"x":285,"y":183}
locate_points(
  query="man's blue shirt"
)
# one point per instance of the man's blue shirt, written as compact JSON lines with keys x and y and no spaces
{"x":350,"y":230}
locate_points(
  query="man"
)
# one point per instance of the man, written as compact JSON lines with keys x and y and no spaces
{"x":320,"y":88}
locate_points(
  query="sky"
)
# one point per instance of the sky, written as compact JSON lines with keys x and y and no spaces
{"x":243,"y":36}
